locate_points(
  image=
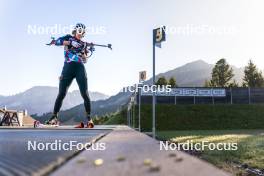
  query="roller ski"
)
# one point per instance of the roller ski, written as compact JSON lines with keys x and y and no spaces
{"x":89,"y":124}
{"x":52,"y":122}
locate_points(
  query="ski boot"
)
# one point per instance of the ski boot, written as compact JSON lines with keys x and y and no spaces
{"x":90,"y":124}
{"x":80,"y":125}
{"x":53,"y":120}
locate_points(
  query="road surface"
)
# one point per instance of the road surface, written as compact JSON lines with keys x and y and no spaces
{"x":16,"y":159}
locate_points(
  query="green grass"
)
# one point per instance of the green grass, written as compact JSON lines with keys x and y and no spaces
{"x":250,"y":146}
{"x":116,"y":119}
{"x":212,"y":123}
{"x":203,"y":117}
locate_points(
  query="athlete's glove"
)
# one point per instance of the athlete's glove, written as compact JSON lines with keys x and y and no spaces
{"x":75,"y":44}
{"x":87,"y":49}
{"x":53,"y":41}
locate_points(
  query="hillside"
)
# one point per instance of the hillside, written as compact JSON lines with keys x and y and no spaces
{"x":40,"y":99}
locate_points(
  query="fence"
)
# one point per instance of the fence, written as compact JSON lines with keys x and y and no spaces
{"x":232,"y":96}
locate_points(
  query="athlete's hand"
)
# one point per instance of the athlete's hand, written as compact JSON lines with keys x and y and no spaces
{"x":52,"y":42}
{"x":75,"y":44}
{"x":87,"y":50}
{"x":84,"y":57}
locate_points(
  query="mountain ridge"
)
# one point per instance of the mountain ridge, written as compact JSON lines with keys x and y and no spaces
{"x":40,"y":99}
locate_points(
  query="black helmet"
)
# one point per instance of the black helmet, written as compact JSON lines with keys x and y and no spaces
{"x":80,"y":25}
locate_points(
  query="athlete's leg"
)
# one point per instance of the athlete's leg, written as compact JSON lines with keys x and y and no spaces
{"x":63,"y":87}
{"x":66,"y":78}
{"x":81,"y":78}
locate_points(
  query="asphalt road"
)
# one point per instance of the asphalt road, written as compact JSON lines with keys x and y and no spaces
{"x":16,"y":159}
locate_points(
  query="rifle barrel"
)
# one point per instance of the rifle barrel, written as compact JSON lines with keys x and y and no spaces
{"x":108,"y":45}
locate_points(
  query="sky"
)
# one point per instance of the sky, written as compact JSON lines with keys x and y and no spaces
{"x":196,"y":29}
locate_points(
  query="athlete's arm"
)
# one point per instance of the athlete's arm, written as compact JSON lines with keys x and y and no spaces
{"x":63,"y":41}
{"x":66,"y":41}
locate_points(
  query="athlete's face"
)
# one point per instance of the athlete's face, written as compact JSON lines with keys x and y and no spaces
{"x":79,"y":33}
{"x":78,"y":36}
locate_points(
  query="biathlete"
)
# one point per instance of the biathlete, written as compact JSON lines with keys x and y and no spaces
{"x":76,"y":54}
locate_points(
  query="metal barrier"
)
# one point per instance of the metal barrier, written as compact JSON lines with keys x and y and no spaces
{"x":232,"y":96}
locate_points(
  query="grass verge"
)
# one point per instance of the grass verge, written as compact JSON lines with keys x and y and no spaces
{"x":250,"y":148}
